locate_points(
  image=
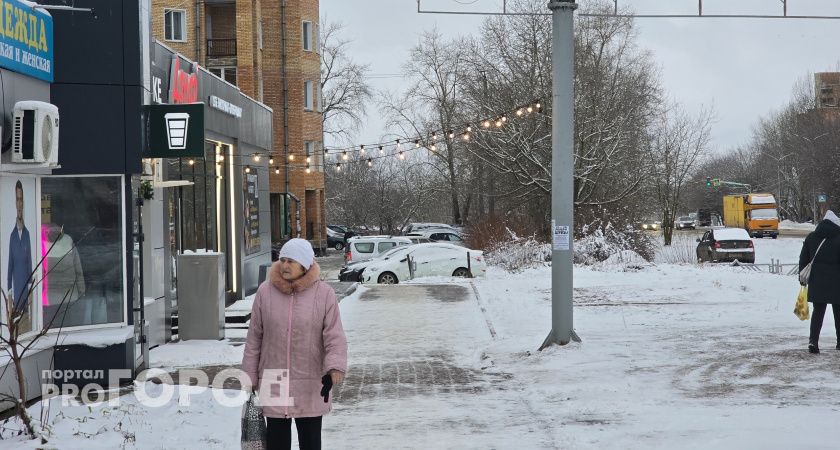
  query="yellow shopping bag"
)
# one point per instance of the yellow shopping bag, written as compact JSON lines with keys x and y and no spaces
{"x":801,"y":308}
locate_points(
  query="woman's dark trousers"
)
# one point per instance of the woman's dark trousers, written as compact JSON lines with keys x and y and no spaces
{"x":280,"y":433}
{"x":817,"y":320}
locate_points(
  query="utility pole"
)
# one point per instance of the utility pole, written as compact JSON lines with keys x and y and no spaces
{"x":562,"y":172}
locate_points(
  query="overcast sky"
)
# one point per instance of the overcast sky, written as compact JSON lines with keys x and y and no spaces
{"x":744,"y":68}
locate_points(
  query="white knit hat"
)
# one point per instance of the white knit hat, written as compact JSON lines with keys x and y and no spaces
{"x":299,"y":250}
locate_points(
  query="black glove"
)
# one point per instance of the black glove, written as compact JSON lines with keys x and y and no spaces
{"x":326,"y":381}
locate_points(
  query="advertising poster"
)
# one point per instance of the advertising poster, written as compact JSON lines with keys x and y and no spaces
{"x":18,"y":241}
{"x":251,"y":225}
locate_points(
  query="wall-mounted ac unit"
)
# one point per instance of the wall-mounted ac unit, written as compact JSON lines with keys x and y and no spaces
{"x":35,"y":133}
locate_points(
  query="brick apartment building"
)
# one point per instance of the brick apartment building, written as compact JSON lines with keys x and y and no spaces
{"x":270,"y":50}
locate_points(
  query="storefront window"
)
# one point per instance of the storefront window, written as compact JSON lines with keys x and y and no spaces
{"x":83,"y":273}
{"x":196,"y":204}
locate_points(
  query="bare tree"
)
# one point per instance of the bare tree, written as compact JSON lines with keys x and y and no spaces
{"x":344,"y":84}
{"x":679,"y":144}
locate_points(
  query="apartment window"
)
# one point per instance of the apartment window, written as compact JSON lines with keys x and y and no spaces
{"x":308,"y":95}
{"x":306,"y":34}
{"x":175,"y":21}
{"x":226,"y":73}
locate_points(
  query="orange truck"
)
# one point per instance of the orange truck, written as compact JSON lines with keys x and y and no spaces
{"x":755,"y":213}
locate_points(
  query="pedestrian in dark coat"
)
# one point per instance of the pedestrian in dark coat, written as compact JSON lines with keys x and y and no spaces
{"x":824,"y":281}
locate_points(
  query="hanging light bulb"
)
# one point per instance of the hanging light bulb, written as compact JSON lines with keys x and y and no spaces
{"x":498,"y":123}
{"x":270,"y":160}
{"x":256,"y":157}
{"x":381,"y":151}
{"x":486,"y":124}
{"x":308,"y":159}
{"x":338,"y":167}
{"x":402,"y":155}
{"x":434,"y":135}
{"x":530,"y":109}
{"x":466,"y":136}
{"x":504,"y":118}
{"x":538,"y":105}
{"x":362,"y":149}
{"x":277,"y":170}
{"x":469,"y":128}
{"x":451,"y":134}
{"x":247,"y":169}
{"x":308,"y":170}
{"x":191,"y":161}
{"x":519,"y":112}
{"x":370,"y":162}
{"x":433,"y":147}
{"x":291,"y":156}
{"x":344,"y":155}
{"x":417,"y":143}
{"x":398,"y":144}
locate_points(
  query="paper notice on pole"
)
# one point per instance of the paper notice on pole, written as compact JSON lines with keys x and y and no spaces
{"x":560,"y":235}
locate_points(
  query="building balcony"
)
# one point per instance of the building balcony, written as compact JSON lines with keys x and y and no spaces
{"x":221,"y":48}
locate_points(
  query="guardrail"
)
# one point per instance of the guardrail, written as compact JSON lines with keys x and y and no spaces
{"x":775,"y":266}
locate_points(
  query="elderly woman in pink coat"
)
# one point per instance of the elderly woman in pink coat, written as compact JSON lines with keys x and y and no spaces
{"x":295,"y":339}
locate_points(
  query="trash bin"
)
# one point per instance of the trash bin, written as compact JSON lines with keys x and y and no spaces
{"x":201,"y":296}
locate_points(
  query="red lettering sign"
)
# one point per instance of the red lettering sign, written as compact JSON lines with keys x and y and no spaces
{"x":183,"y":86}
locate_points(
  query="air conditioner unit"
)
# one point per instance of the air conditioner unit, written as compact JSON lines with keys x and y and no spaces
{"x":35,"y":133}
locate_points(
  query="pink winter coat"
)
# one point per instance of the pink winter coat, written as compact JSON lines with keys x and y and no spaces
{"x":297,"y":326}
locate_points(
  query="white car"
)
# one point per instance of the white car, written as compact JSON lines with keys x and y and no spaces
{"x":360,"y":248}
{"x":426,"y":260}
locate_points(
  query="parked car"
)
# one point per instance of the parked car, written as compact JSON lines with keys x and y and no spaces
{"x":685,"y":223}
{"x":335,"y":236}
{"x":360,"y":248}
{"x":425,"y":260}
{"x":726,"y":244}
{"x":415,"y":239}
{"x":418,"y":227}
{"x":354,"y":270}
{"x":439,"y":235}
{"x":650,"y":224}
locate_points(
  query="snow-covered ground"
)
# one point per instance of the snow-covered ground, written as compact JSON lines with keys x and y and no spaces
{"x":673,"y":356}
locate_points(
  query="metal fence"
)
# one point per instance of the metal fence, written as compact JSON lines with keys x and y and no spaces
{"x":776,"y":266}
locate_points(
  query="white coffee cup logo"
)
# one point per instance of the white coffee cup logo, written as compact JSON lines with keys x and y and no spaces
{"x":176,"y":130}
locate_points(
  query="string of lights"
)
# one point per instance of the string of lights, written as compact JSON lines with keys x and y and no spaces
{"x":374,"y":151}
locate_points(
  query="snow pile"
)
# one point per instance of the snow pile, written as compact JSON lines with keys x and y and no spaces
{"x":791,"y":225}
{"x":601,"y":243}
{"x":518,"y":253}
{"x":625,"y":259}
{"x":195,"y":353}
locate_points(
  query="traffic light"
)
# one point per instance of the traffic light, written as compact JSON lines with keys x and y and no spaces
{"x":708,"y":182}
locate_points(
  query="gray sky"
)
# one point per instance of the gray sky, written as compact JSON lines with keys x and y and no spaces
{"x":744,"y":68}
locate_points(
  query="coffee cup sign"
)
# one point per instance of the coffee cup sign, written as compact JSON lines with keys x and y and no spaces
{"x":176,"y":129}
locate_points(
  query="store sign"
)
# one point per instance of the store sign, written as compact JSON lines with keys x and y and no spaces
{"x":225,"y":106}
{"x":183,"y":86}
{"x":26,"y":40}
{"x":251,"y":208}
{"x":175,"y":130}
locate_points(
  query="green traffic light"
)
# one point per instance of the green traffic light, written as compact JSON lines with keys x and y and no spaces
{"x":708,"y":182}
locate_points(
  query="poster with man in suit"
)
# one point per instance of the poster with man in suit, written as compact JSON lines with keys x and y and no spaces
{"x":18,"y":246}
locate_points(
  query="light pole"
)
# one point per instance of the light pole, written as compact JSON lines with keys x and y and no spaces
{"x":562,"y":172}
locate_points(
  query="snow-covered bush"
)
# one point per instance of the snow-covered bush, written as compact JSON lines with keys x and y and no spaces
{"x":683,"y":250}
{"x":600,"y":242}
{"x":518,"y":253}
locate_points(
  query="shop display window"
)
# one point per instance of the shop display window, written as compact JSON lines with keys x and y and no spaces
{"x":83,"y":275}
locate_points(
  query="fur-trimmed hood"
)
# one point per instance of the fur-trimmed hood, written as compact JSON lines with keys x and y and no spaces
{"x":287,"y":287}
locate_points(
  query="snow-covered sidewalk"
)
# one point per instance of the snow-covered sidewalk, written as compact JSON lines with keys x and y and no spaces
{"x":673,"y":356}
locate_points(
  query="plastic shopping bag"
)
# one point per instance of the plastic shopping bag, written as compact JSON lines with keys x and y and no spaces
{"x":801,"y":308}
{"x":253,"y":425}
